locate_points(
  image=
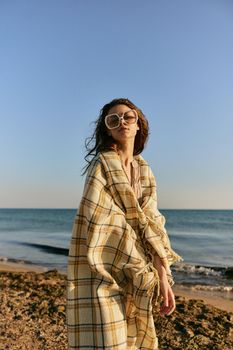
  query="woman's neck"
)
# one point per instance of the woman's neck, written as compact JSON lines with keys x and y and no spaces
{"x":126,"y":153}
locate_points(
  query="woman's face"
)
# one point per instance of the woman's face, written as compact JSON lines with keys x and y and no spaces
{"x":125,"y":131}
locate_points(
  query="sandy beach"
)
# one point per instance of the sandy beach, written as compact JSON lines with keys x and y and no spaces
{"x":33,"y":314}
{"x":223,"y":301}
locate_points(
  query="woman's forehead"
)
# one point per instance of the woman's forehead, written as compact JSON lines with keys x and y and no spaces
{"x":119,"y":109}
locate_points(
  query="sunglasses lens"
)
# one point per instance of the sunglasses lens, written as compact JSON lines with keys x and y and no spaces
{"x":112,"y":121}
{"x":130,"y":117}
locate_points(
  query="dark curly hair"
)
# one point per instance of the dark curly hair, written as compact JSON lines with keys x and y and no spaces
{"x":101,"y":141}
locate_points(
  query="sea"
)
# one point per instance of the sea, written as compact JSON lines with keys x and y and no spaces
{"x":204,"y":238}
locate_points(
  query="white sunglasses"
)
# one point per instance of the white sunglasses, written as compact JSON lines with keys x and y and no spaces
{"x":113,"y":121}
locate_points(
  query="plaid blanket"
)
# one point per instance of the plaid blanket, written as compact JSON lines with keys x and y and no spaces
{"x":111,"y":275}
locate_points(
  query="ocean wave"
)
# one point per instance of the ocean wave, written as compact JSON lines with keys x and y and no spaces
{"x":227,"y":272}
{"x":5,"y":259}
{"x":213,"y":288}
{"x":207,"y":288}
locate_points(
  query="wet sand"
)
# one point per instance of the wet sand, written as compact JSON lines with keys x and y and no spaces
{"x":221,"y":300}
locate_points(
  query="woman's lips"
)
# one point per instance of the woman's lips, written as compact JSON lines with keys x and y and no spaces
{"x":123,"y":129}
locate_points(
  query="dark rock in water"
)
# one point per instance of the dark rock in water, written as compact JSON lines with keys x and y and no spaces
{"x":47,"y":248}
{"x":229,"y":272}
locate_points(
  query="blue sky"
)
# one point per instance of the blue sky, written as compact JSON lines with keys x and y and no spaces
{"x":61,"y":61}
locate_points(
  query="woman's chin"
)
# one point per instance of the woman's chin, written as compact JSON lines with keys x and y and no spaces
{"x":124,"y":139}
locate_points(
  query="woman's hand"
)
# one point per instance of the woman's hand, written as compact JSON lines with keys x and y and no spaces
{"x":168,"y":298}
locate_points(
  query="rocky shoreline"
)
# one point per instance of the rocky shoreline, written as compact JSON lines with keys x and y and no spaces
{"x":32,"y":316}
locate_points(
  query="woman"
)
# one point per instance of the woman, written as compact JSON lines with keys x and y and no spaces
{"x":120,"y":254}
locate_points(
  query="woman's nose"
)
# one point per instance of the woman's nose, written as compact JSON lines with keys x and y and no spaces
{"x":122,"y":120}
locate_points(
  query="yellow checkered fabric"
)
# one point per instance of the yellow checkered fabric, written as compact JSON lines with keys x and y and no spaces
{"x":111,"y":275}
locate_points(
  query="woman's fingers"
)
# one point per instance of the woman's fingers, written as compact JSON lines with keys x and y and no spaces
{"x":165,"y":299}
{"x":169,"y":304}
{"x":172,"y":305}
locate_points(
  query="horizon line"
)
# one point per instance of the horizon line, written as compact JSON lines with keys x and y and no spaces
{"x":75,"y":208}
